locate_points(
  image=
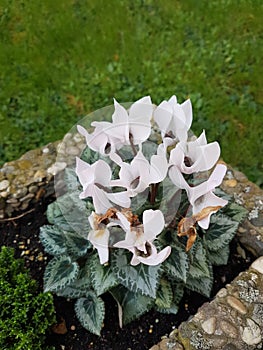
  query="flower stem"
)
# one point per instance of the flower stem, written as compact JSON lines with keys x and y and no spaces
{"x":132,"y":145}
{"x":153,"y":192}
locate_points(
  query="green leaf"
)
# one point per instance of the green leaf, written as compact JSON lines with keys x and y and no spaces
{"x":71,"y":180}
{"x":77,"y":246}
{"x":178,"y":291}
{"x":102,"y":277}
{"x":236,"y":212}
{"x":80,"y":286}
{"x":164,"y":296}
{"x":177,"y":264}
{"x":221,"y":231}
{"x":199,"y":267}
{"x":90,"y":312}
{"x":131,"y":305}
{"x":202,"y":285}
{"x":60,"y":272}
{"x":219,"y":257}
{"x":138,"y":279}
{"x":53,"y":239}
{"x":66,"y":212}
{"x":57,"y":242}
{"x":200,"y":277}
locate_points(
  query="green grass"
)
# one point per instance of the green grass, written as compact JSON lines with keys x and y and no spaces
{"x":61,"y":60}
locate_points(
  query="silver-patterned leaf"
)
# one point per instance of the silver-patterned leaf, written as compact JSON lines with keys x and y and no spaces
{"x":90,"y":312}
{"x":164,"y":296}
{"x":56,"y":241}
{"x":142,"y":278}
{"x":53,"y":240}
{"x":178,"y":291}
{"x":177,"y":264}
{"x":200,"y":266}
{"x":201,"y":285}
{"x":102,"y":277}
{"x":80,"y":286}
{"x":221,"y":231}
{"x":60,"y":273}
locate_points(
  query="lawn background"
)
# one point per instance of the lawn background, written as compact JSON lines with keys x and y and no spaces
{"x":60,"y":60}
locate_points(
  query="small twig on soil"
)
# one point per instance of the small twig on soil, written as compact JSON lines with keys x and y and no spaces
{"x":17,"y":217}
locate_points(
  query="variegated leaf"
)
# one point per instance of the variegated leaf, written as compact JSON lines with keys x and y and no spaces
{"x":90,"y":312}
{"x":60,"y":273}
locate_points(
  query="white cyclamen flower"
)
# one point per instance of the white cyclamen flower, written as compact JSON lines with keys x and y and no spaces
{"x":199,"y":155}
{"x":174,"y":118}
{"x":95,"y":180}
{"x":139,"y":174}
{"x":139,"y":239}
{"x":126,"y":127}
{"x":201,"y":196}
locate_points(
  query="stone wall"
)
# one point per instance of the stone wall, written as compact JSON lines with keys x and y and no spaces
{"x":26,"y":181}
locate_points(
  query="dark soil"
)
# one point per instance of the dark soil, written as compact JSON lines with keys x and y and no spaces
{"x":22,"y":234}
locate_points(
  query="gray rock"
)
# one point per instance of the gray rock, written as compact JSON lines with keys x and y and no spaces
{"x":4,"y":185}
{"x":251,"y":334}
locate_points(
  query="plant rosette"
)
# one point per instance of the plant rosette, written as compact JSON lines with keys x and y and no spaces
{"x":142,"y":217}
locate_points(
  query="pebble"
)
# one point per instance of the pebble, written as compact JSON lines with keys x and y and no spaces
{"x":236,"y":304}
{"x":4,"y":184}
{"x":45,"y":150}
{"x":27,"y":197}
{"x":4,"y":194}
{"x":251,"y":334}
{"x":229,"y":329}
{"x":33,"y":189}
{"x":258,"y":265}
{"x":40,"y":175}
{"x":73,"y":151}
{"x":21,"y":192}
{"x":209,"y":325}
{"x":56,"y":168}
{"x":231,"y":183}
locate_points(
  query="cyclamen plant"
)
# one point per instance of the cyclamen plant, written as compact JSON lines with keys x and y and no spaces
{"x":142,"y":218}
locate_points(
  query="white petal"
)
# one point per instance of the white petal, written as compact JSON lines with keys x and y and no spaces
{"x":84,"y":172}
{"x":172,"y":100}
{"x":100,"y":201}
{"x":116,"y":158}
{"x":187,"y":108}
{"x":214,"y":180}
{"x":128,"y":243}
{"x":126,"y":175}
{"x":155,"y":258}
{"x":177,"y":155}
{"x":163,"y":116}
{"x":177,"y":178}
{"x":125,"y":224}
{"x":98,"y":140}
{"x":100,"y":239}
{"x":120,"y":198}
{"x":141,"y":109}
{"x":102,"y":172}
{"x":153,"y":224}
{"x":208,"y":200}
{"x":208,"y":157}
{"x":158,"y":168}
{"x":84,"y":132}
{"x":140,"y":130}
{"x":203,"y":158}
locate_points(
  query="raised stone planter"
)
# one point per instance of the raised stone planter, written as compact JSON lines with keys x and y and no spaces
{"x":234,"y":319}
{"x":25,"y":181}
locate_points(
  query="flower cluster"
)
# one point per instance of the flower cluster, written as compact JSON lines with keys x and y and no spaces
{"x":176,"y":157}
